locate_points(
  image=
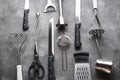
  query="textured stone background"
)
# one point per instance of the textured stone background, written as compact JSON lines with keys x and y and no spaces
{"x":11,"y":19}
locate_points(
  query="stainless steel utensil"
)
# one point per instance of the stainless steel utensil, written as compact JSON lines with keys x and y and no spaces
{"x":82,"y":67}
{"x":103,"y":65}
{"x":97,"y":32}
{"x":51,"y":58}
{"x":63,"y":40}
{"x":64,"y":43}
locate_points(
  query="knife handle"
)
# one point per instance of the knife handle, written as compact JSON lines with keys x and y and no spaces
{"x":94,"y":4}
{"x":51,"y":74}
{"x":25,"y":20}
{"x":78,"y":43}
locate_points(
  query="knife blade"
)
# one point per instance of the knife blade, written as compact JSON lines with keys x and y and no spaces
{"x":78,"y":43}
{"x":51,"y":75}
{"x":51,"y":36}
{"x":25,"y":17}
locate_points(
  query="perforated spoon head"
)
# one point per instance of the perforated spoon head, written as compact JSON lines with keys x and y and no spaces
{"x":96,"y":32}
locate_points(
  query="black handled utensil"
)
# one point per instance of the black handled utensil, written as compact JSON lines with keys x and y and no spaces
{"x":51,"y":74}
{"x":36,"y":70}
{"x":78,"y":43}
{"x":25,"y":17}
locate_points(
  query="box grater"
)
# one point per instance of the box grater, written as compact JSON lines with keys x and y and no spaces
{"x":81,"y":66}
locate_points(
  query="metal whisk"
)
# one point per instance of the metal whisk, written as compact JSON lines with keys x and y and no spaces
{"x":17,"y":40}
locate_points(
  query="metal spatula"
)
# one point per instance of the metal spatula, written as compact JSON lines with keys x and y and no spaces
{"x":82,"y":67}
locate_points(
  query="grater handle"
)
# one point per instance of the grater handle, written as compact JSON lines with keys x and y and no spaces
{"x":81,"y":54}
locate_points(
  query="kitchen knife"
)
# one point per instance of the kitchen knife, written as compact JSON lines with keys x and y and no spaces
{"x":78,"y":43}
{"x":25,"y":17}
{"x":51,"y":74}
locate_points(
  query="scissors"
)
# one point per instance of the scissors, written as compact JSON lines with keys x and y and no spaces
{"x":36,"y":69}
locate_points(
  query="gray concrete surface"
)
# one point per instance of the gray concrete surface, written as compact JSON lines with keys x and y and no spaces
{"x":11,"y":19}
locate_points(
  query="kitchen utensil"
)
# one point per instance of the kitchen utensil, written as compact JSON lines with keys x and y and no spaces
{"x":17,"y":40}
{"x":51,"y":72}
{"x":36,"y":70}
{"x":82,"y":66}
{"x":78,"y":43}
{"x":97,"y":32}
{"x":64,"y":42}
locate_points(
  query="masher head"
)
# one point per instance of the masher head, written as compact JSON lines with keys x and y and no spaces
{"x":104,"y":66}
{"x":96,"y":32}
